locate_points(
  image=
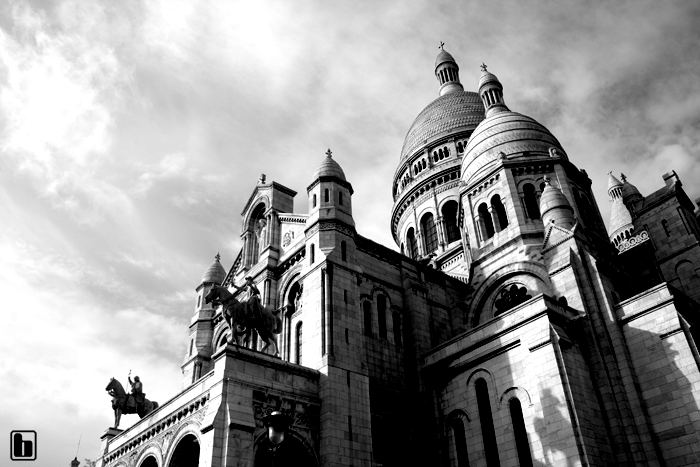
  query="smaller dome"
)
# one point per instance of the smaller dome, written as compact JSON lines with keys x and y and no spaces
{"x":630,"y":193}
{"x":613,"y":182}
{"x":216,"y":272}
{"x":443,"y":57}
{"x":554,"y":206}
{"x":488,"y":77}
{"x":329,"y":168}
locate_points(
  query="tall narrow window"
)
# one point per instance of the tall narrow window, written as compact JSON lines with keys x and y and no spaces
{"x":521,"y":442}
{"x":531,"y":205}
{"x":312,"y":254}
{"x":314,"y":200}
{"x":396,"y":322}
{"x":343,"y":251}
{"x":298,"y":343}
{"x":381,"y":315}
{"x":340,"y":198}
{"x":326,"y":195}
{"x":367,"y":315}
{"x":191,"y":346}
{"x":460,"y":440}
{"x":449,"y":216}
{"x":664,"y":224}
{"x":500,"y":210}
{"x":429,"y":233}
{"x":485,"y":222}
{"x":487,"y":431}
{"x":412,"y":243}
{"x":460,"y":148}
{"x":199,"y":300}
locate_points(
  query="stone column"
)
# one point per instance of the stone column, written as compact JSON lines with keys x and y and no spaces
{"x":494,"y":219}
{"x":441,"y":231}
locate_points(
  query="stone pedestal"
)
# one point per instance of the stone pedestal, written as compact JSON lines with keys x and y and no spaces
{"x":106,"y":438}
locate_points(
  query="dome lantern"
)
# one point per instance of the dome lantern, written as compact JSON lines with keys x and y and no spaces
{"x":491,"y":92}
{"x":447,"y":72}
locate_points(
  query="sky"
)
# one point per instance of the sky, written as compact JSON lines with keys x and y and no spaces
{"x":133,"y":132}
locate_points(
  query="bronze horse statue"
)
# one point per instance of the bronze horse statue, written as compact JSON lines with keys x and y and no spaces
{"x":126,"y":403}
{"x":243,"y":317}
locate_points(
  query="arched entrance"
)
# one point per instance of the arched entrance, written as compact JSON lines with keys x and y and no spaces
{"x":186,"y":452}
{"x":150,"y":461}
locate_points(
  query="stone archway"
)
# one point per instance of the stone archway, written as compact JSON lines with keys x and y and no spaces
{"x":150,"y":461}
{"x":186,"y":452}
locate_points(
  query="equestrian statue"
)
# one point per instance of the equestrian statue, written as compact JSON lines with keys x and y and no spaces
{"x":124,"y":403}
{"x":243,"y":317}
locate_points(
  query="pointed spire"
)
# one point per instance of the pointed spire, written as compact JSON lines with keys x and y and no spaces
{"x":555,"y":207}
{"x":447,"y":72}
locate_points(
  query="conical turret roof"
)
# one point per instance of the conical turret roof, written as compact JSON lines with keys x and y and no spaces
{"x":215,"y":273}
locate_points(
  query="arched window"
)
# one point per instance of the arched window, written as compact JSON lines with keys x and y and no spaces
{"x":423,"y":163}
{"x":449,"y":216}
{"x":500,"y":210}
{"x":429,"y":232}
{"x":460,"y":442}
{"x":522,"y":444}
{"x":343,"y":251}
{"x":442,"y":155}
{"x":531,"y":205}
{"x":435,"y":157}
{"x":186,"y":453}
{"x":298,"y":341}
{"x":150,"y":461}
{"x":326,"y":195}
{"x":396,"y":327}
{"x":314,"y":200}
{"x":223,"y":340}
{"x":381,"y":315}
{"x":340,"y":198}
{"x":460,"y":148}
{"x":412,"y":243}
{"x":312,"y":254}
{"x":488,"y":433}
{"x":447,"y":151}
{"x":485,"y":222}
{"x":367,"y":317}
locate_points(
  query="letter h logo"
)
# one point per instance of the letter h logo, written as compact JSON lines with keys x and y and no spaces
{"x":23,"y":445}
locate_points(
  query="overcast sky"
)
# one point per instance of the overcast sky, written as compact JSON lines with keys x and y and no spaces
{"x":132,"y":132}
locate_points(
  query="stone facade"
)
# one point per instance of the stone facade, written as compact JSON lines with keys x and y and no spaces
{"x":512,"y":329}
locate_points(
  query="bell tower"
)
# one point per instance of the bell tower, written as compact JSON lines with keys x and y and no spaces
{"x":199,"y":346}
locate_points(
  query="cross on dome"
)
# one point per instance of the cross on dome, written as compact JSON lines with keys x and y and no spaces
{"x":218,"y":256}
{"x":483,"y":67}
{"x":329,"y":153}
{"x":441,"y":46}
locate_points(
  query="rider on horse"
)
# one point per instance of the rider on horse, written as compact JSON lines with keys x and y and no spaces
{"x":253,"y":304}
{"x":137,"y":390}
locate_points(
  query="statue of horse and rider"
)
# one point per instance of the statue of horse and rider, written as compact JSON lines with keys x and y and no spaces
{"x":243,"y":317}
{"x":124,"y":403}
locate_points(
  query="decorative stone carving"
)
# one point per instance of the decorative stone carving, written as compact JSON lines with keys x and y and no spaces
{"x":632,"y":242}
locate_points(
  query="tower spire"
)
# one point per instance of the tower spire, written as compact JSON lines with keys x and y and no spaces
{"x":447,"y":72}
{"x":491,"y":92}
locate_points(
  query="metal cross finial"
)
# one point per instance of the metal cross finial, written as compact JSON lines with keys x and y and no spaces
{"x":623,"y":177}
{"x":483,"y":67}
{"x":329,"y":153}
{"x":441,"y":46}
{"x":218,"y":256}
{"x":262,"y":178}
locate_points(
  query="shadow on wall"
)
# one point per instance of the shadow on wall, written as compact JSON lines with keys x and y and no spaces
{"x":669,"y":406}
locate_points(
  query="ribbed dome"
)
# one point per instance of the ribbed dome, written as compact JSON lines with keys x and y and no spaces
{"x":443,"y":57}
{"x":460,"y":110}
{"x":216,"y":272}
{"x":620,"y":218}
{"x":329,"y":168}
{"x":505,"y":135}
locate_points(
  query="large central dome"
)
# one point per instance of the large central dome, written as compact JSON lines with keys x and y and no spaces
{"x":448,"y":114}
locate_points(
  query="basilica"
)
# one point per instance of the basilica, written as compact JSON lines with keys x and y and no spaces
{"x":508,"y":326}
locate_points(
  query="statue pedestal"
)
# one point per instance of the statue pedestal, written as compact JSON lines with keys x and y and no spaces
{"x":107,"y":437}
